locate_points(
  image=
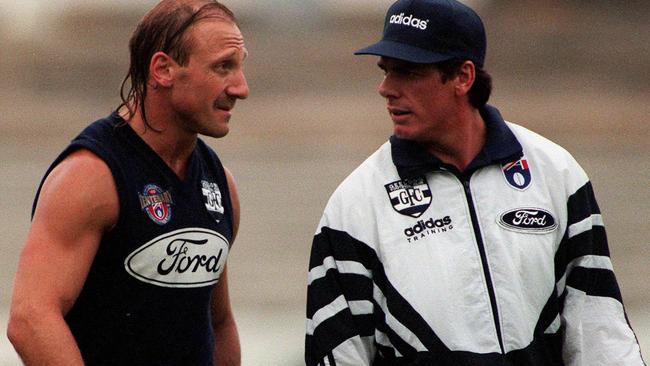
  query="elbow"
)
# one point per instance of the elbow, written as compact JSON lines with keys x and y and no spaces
{"x":17,"y":330}
{"x":224,"y":322}
{"x":22,"y":327}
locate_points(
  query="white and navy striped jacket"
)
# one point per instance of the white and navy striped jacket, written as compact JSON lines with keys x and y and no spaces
{"x":507,"y":263}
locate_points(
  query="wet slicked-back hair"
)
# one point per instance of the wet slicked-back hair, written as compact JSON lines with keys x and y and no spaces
{"x":164,"y":29}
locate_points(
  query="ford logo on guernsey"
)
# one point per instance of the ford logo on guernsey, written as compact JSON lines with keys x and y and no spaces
{"x":192,"y":257}
{"x":530,"y":220}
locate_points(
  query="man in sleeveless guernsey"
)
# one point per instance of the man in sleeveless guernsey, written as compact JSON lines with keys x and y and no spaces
{"x":125,"y":260}
{"x":464,"y":239}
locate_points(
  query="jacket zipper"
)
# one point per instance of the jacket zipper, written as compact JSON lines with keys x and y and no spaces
{"x":484,"y":262}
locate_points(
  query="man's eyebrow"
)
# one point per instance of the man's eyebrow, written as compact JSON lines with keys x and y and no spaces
{"x":227,"y":55}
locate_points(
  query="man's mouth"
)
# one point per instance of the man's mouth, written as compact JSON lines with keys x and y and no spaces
{"x":226,"y":108}
{"x":224,"y":105}
{"x":394,"y":111}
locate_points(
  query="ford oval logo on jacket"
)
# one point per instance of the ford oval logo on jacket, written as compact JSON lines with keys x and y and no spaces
{"x":532,"y":220}
{"x":191,"y":257}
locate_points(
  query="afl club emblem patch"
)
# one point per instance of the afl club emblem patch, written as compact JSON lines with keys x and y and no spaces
{"x":409,"y":197}
{"x":212,"y":199}
{"x":517,"y":174}
{"x":156,"y":203}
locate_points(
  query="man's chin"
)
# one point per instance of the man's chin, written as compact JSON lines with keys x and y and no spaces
{"x":216,"y":133}
{"x":402,"y":133}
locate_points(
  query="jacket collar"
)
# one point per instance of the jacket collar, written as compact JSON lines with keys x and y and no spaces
{"x":501,"y":146}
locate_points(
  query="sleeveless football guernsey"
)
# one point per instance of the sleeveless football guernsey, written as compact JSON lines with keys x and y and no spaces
{"x":146,"y":300}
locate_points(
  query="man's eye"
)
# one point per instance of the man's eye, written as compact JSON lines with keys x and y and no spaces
{"x":405,"y":72}
{"x":223,"y":66}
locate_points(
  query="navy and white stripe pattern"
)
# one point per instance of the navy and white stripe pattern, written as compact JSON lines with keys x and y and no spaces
{"x":592,"y":309}
{"x":351,"y":299}
{"x":378,"y":295}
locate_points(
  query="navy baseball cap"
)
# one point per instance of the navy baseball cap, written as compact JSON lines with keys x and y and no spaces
{"x":430,"y":31}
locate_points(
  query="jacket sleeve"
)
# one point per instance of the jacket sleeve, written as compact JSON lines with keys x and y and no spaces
{"x":340,"y":327}
{"x":596,"y":329}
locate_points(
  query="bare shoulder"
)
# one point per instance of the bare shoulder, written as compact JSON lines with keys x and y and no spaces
{"x":77,"y":204}
{"x":82,"y":191}
{"x":234,"y":199}
{"x":229,"y":178}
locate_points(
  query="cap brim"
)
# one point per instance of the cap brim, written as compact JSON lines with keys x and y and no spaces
{"x":403,"y":52}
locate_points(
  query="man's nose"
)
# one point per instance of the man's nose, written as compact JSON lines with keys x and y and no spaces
{"x":239,"y":86}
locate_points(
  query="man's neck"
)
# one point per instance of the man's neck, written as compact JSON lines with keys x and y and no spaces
{"x":462,"y":142}
{"x":165,"y":137}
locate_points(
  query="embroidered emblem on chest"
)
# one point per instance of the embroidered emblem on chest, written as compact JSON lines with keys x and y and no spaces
{"x":409,"y":197}
{"x":156,"y":203}
{"x":517,"y":174}
{"x":213,"y":199}
{"x":528,"y":220}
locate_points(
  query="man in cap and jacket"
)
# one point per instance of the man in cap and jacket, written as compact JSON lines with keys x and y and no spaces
{"x":464,"y":239}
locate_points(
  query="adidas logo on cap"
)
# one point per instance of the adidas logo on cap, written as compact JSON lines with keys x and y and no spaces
{"x":409,"y":20}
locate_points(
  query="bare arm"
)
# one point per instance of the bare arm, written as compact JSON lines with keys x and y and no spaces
{"x":234,"y":199}
{"x":227,"y":348}
{"x":75,"y":208}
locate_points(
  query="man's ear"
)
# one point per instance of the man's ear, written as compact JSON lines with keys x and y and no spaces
{"x":465,"y":77}
{"x":161,"y":70}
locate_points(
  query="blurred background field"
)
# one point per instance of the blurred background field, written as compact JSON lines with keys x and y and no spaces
{"x":574,"y":71}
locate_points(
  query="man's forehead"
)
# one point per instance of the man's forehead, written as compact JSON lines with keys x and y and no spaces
{"x":216,"y":30}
